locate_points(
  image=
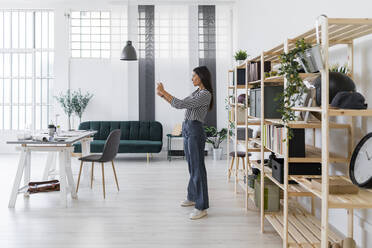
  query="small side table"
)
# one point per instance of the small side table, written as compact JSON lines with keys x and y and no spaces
{"x":173,"y":153}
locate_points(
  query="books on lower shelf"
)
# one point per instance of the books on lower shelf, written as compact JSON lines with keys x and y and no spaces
{"x":273,"y":136}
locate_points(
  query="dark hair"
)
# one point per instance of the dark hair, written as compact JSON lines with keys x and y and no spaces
{"x":206,"y":79}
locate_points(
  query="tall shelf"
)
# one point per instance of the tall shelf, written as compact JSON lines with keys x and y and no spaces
{"x":297,"y":227}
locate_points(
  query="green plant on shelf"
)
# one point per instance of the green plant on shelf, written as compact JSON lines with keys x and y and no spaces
{"x":240,"y":55}
{"x":231,"y":128}
{"x":337,"y":68}
{"x":271,"y":74}
{"x":293,"y":93}
{"x":228,"y":100}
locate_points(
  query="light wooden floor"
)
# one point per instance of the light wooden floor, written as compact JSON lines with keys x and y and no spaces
{"x":145,"y":213}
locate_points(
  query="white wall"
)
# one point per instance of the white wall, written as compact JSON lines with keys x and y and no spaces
{"x":262,"y":25}
{"x":114,"y":83}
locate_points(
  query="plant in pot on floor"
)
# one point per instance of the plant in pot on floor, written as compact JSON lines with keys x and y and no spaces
{"x":240,"y":56}
{"x":215,"y":138}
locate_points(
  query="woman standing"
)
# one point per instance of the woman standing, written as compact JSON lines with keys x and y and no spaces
{"x":196,"y":105}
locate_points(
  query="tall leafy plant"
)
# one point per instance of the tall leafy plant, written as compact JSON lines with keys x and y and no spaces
{"x":80,"y":102}
{"x":65,"y":100}
{"x":73,"y":102}
{"x":293,"y":93}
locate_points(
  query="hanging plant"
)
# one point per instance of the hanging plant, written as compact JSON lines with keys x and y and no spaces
{"x":293,"y":93}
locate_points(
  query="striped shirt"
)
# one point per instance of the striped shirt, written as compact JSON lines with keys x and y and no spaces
{"x":196,"y":104}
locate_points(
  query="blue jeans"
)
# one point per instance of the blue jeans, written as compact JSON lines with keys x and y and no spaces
{"x":194,"y":144}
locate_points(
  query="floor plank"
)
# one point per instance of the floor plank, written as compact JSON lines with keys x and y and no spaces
{"x":144,"y":213}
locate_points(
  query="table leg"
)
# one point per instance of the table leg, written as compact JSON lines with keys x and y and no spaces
{"x":85,"y":150}
{"x":70,"y":178}
{"x":62,"y":177}
{"x":27,"y":171}
{"x":50,"y":165}
{"x":18,"y":178}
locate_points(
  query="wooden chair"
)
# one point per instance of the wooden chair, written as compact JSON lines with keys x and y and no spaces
{"x":109,"y":153}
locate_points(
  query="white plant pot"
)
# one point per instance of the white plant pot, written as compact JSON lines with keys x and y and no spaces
{"x":217,"y":153}
{"x":239,"y":62}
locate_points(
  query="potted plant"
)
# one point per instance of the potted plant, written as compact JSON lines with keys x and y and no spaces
{"x":80,"y":102}
{"x":215,"y":138}
{"x":65,"y":100}
{"x":240,"y":56}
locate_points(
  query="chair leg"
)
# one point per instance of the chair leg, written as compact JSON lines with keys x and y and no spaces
{"x":230,"y":168}
{"x":236,"y":175}
{"x":103,"y":181}
{"x":148,"y":157}
{"x":116,"y":178}
{"x":78,"y":182}
{"x":91,"y":176}
{"x":243,"y":163}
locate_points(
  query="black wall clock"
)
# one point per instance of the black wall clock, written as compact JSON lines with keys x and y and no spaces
{"x":360,"y":169}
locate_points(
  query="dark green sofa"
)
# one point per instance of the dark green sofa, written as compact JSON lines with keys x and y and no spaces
{"x":136,"y":136}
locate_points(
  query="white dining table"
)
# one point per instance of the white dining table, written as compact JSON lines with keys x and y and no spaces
{"x":62,"y":147}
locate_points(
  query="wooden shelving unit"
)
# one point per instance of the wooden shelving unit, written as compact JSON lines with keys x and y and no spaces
{"x":297,"y":227}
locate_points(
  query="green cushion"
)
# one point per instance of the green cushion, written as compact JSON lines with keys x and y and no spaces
{"x":136,"y":136}
{"x":140,"y":146}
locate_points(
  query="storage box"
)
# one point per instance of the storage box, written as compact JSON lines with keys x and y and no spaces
{"x":293,"y":169}
{"x":271,"y":195}
{"x":272,"y":104}
{"x":296,"y":146}
{"x":241,"y":76}
{"x":240,"y":113}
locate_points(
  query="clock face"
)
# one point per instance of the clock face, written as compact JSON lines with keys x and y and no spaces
{"x":361,"y":162}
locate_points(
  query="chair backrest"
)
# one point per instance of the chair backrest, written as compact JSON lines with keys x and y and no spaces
{"x":111,"y":146}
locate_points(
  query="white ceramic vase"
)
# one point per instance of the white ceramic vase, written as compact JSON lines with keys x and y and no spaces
{"x":217,"y":153}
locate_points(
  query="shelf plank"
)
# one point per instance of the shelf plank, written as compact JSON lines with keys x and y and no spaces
{"x":314,"y":155}
{"x":337,"y":112}
{"x":242,"y":66}
{"x":280,"y":79}
{"x":350,"y":112}
{"x":361,"y":200}
{"x":310,"y":109}
{"x":304,"y":230}
{"x":310,"y":124}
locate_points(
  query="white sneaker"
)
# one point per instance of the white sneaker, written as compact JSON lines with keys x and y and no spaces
{"x":198,"y":214}
{"x":187,"y":203}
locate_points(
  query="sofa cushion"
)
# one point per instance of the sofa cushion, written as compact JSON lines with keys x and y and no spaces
{"x":140,"y":146}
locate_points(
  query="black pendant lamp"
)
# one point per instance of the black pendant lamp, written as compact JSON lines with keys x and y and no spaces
{"x":129,"y":52}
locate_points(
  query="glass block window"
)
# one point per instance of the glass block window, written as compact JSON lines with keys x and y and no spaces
{"x":207,"y":32}
{"x":98,"y":34}
{"x":26,"y":68}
